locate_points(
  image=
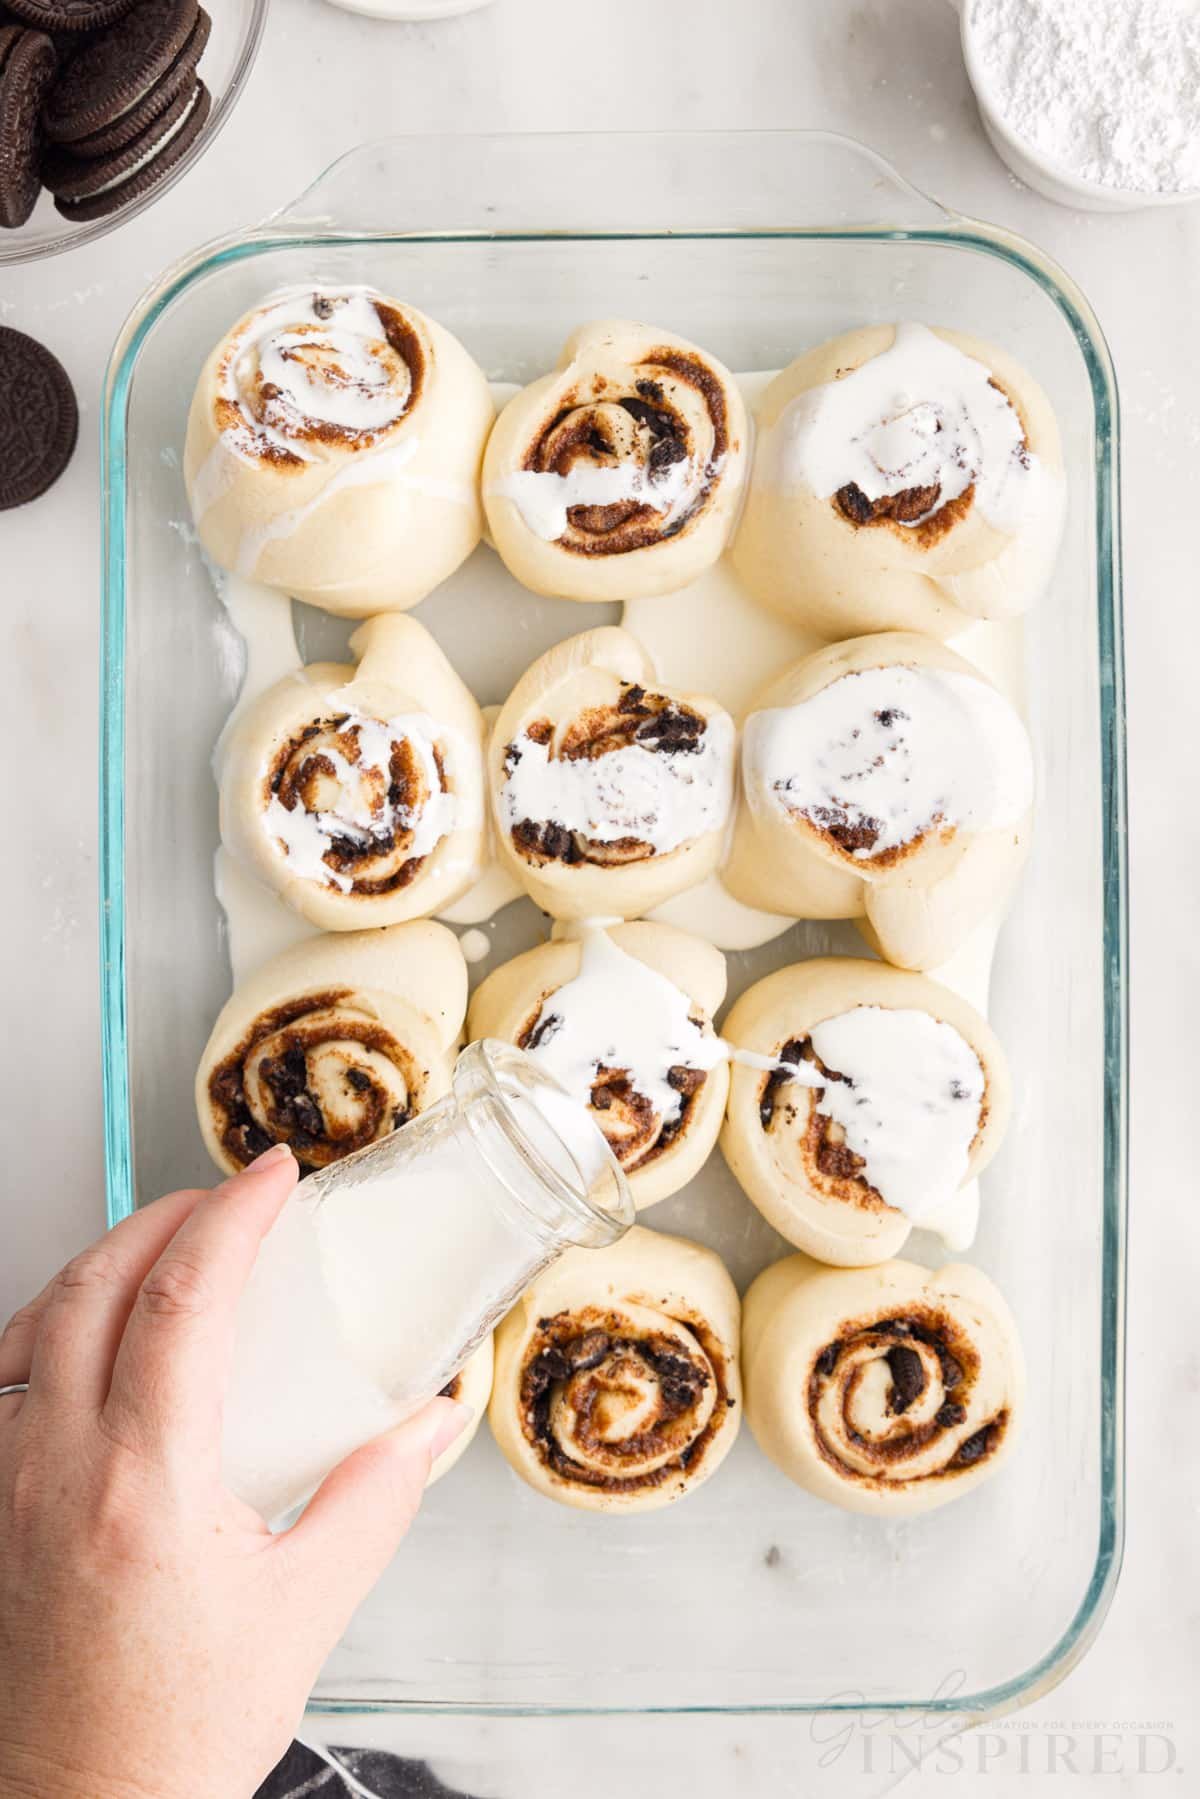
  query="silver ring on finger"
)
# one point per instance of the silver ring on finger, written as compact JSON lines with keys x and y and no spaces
{"x":20,"y":1386}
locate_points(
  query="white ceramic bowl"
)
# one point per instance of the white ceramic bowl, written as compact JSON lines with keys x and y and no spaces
{"x":1042,"y":173}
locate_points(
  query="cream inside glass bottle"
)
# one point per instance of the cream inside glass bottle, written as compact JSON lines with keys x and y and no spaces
{"x":385,"y":1271}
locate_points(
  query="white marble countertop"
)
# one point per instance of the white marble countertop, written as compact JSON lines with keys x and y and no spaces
{"x":887,"y":71}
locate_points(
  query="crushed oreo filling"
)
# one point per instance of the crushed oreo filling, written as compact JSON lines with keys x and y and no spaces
{"x":632,"y":524}
{"x":568,"y":1351}
{"x":893,"y":1338}
{"x":833,"y":1158}
{"x":294,"y":1112}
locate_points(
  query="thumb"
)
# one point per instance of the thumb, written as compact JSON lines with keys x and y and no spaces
{"x":357,"y":1517}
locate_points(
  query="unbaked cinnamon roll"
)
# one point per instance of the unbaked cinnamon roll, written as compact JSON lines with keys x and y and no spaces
{"x":623,"y":1019}
{"x":472,"y":1387}
{"x":863,"y":1101}
{"x":333,"y":450}
{"x":617,"y":1386}
{"x":619,"y":474}
{"x":884,"y":777}
{"x":358,"y":793}
{"x":903,"y":479}
{"x":610,"y":792}
{"x":889,"y":1390}
{"x":333,"y":1045}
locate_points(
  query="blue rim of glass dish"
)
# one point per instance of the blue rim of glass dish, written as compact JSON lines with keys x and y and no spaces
{"x":959,"y":233}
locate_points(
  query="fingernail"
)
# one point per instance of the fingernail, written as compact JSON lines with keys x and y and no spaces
{"x":278,"y":1152}
{"x":452,"y":1422}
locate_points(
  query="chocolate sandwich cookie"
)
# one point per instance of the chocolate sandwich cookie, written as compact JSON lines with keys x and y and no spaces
{"x":153,"y":100}
{"x":93,"y":188}
{"x":39,"y":420}
{"x":113,"y":72}
{"x":27,"y":68}
{"x":68,"y":15}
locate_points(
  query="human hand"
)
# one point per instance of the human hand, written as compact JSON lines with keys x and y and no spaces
{"x":156,"y":1641}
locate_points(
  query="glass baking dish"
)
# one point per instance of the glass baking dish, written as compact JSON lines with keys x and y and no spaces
{"x":749,"y":1595}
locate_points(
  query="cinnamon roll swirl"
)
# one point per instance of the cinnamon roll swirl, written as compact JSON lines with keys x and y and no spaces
{"x":864,"y":1101}
{"x":333,"y":450}
{"x":610,"y":792}
{"x":617,"y":1386}
{"x":623,"y":1019}
{"x":357,"y":794}
{"x":619,"y":474}
{"x":884,"y":777}
{"x":889,"y":1390}
{"x":333,"y":1045}
{"x":903,"y":478}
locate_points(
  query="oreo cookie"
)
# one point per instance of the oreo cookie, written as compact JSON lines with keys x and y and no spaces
{"x":68,"y":15}
{"x":154,"y":100}
{"x":39,"y":420}
{"x":28,"y":65}
{"x":92,"y":188}
{"x":113,"y":72}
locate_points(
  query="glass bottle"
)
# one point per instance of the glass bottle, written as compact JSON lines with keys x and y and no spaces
{"x":386,"y":1270}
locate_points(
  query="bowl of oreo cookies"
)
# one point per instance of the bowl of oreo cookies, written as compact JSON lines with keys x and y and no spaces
{"x":104,"y":103}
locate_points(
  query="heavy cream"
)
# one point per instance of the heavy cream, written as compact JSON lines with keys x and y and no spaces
{"x":907,"y":1091}
{"x":618,"y":1013}
{"x":891,"y":753}
{"x":664,"y":797}
{"x":360,"y":806}
{"x":309,"y":359}
{"x":545,"y":498}
{"x":921,"y":414}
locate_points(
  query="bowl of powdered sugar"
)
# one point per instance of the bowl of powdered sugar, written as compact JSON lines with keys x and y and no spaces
{"x":1093,"y":103}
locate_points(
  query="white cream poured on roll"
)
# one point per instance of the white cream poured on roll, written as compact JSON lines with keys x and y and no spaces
{"x":314,"y":364}
{"x":667,"y":788}
{"x":333,"y":450}
{"x":907,"y":1091}
{"x":651,"y":1035}
{"x":358,"y":800}
{"x":545,"y":499}
{"x":921,"y":419}
{"x":622,"y":1019}
{"x":880,"y":757}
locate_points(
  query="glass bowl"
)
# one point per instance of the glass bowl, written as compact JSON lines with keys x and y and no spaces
{"x":237,"y":28}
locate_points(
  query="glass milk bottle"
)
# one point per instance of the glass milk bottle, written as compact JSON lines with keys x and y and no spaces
{"x":386,"y":1271}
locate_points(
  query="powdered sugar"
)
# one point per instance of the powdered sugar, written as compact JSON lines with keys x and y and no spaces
{"x":1108,"y":89}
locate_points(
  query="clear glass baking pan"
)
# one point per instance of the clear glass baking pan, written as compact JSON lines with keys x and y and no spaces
{"x":749,"y":1595}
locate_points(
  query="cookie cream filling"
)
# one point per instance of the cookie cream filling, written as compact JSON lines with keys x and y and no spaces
{"x":880,"y":757}
{"x":152,"y":150}
{"x":664,"y":797}
{"x":919,"y":415}
{"x":907,"y":1091}
{"x":619,"y":1014}
{"x":360,"y":806}
{"x":544,"y":498}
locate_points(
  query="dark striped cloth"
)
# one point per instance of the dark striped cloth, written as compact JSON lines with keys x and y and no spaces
{"x":302,"y":1774}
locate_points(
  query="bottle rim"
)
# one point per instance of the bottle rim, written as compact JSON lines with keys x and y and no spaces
{"x":497,"y":1088}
